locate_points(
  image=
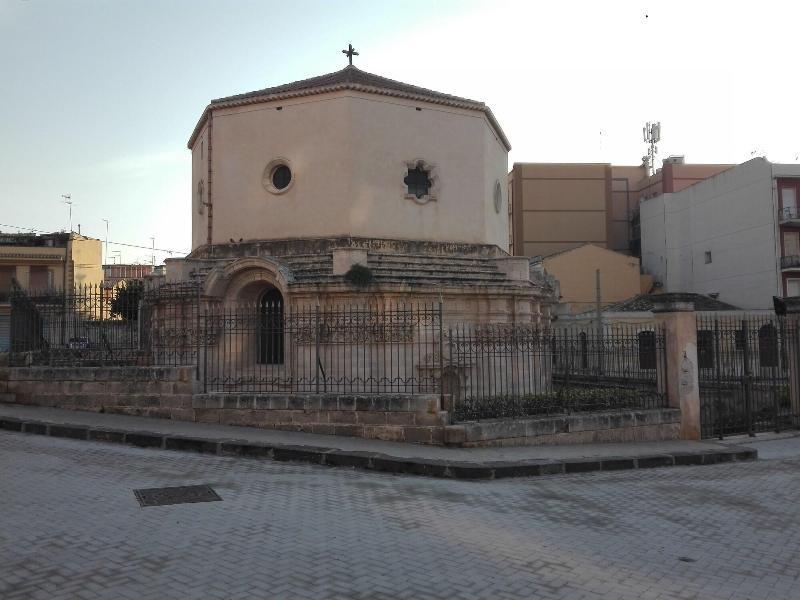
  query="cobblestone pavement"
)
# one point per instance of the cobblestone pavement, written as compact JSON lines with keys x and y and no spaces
{"x":70,"y":527}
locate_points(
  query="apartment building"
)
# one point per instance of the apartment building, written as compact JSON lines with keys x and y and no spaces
{"x":734,"y":236}
{"x":558,"y":206}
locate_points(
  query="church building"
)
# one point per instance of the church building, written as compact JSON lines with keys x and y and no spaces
{"x":350,"y":187}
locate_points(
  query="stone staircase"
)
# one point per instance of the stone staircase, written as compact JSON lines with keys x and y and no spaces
{"x":405,"y":269}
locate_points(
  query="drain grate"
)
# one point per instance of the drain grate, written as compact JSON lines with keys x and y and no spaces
{"x":185,"y":494}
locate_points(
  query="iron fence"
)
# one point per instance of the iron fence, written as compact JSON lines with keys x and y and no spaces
{"x":266,"y":347}
{"x":744,"y":366}
{"x":127,"y":324}
{"x":484,"y":371}
{"x":495,"y":371}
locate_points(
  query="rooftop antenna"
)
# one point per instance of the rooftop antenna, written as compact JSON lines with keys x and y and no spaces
{"x":67,"y":199}
{"x":651,"y":134}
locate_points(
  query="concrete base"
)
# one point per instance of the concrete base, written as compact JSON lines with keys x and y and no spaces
{"x":630,"y":426}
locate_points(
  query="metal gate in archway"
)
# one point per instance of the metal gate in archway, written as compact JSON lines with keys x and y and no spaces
{"x":748,"y":368}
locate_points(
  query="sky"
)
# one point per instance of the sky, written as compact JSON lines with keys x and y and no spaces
{"x":98,"y":98}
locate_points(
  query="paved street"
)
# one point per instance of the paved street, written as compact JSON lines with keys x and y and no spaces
{"x":70,"y":527}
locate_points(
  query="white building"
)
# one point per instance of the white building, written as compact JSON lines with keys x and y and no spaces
{"x":736,"y":234}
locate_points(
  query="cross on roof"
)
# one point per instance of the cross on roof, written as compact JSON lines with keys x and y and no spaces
{"x":350,"y":52}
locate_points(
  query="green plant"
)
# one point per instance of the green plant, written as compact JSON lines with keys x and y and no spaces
{"x":125,"y":302}
{"x":359,"y":276}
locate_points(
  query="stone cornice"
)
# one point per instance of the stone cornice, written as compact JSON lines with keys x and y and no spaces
{"x":326,"y":89}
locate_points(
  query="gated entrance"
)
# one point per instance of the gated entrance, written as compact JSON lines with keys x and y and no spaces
{"x":745,"y":365}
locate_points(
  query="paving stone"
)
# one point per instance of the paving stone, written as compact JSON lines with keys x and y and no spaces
{"x":71,"y":528}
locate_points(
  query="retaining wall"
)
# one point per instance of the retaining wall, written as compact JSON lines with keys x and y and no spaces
{"x":581,"y":428}
{"x":170,"y":393}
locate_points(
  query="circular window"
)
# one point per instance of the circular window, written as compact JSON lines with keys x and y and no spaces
{"x":278,"y":176}
{"x":498,"y":197}
{"x":281,"y":177}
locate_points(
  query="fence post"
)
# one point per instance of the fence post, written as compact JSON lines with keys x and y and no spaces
{"x":197,"y":338}
{"x":747,"y":378}
{"x":316,"y":347}
{"x":441,"y":360}
{"x":683,"y":392}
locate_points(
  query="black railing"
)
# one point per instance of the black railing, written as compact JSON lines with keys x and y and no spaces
{"x":130,"y":324}
{"x":789,"y":213}
{"x":744,"y":372}
{"x":790,"y":262}
{"x":267,"y":348}
{"x":510,"y":371}
{"x":479,"y":371}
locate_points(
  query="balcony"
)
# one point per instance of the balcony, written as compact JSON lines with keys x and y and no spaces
{"x":789,"y":215}
{"x":790,"y":263}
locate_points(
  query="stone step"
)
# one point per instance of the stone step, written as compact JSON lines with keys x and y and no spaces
{"x":421,"y":279}
{"x":391,"y":271}
{"x":387,"y":273}
{"x":431,"y":259}
{"x":433,"y":268}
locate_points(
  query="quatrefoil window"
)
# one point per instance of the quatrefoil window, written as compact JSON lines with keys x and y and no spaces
{"x":420,"y":181}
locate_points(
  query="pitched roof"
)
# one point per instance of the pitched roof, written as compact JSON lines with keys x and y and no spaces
{"x":645,"y":302}
{"x":349,"y":78}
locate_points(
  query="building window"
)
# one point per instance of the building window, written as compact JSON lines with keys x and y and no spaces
{"x":647,"y":350}
{"x":708,"y":257}
{"x":788,"y":201}
{"x":278,"y":176}
{"x":281,"y":177}
{"x":793,"y":287}
{"x":418,"y":182}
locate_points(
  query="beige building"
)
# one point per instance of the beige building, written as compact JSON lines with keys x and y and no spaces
{"x":576,"y":271}
{"x":51,"y":261}
{"x":329,"y":157}
{"x":558,"y":206}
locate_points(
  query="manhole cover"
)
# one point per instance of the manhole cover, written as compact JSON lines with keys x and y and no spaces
{"x":176,"y":495}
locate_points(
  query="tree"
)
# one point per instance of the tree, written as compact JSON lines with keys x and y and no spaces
{"x":125,"y":302}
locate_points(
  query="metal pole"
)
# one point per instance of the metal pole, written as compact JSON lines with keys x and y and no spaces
{"x":599,"y":334}
{"x":747,"y":379}
{"x":441,"y":359}
{"x":316,"y":346}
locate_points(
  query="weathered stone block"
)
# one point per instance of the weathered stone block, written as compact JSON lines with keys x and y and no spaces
{"x":385,"y":433}
{"x":455,"y":435}
{"x":306,"y":416}
{"x":347,"y":403}
{"x":207,"y":415}
{"x":344,"y":417}
{"x":351,"y":430}
{"x":370,"y":417}
{"x":400,"y":418}
{"x":417,"y":435}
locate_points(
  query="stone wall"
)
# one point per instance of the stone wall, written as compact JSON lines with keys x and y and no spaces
{"x":396,"y":417}
{"x":164,"y":392}
{"x":170,"y":393}
{"x":582,"y":428}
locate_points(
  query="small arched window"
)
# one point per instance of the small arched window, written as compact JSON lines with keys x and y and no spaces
{"x":201,"y":202}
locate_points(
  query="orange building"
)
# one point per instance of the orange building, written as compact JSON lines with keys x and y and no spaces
{"x":558,"y":206}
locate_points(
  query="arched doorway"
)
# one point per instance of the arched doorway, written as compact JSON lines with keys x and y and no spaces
{"x":270,"y":330}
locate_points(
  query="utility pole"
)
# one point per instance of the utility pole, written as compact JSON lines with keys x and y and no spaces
{"x":599,"y":334}
{"x":68,"y":201}
{"x":153,"y":257}
{"x":105,"y":259}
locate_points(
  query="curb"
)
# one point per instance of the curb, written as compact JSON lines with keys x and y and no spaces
{"x":375,"y":461}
